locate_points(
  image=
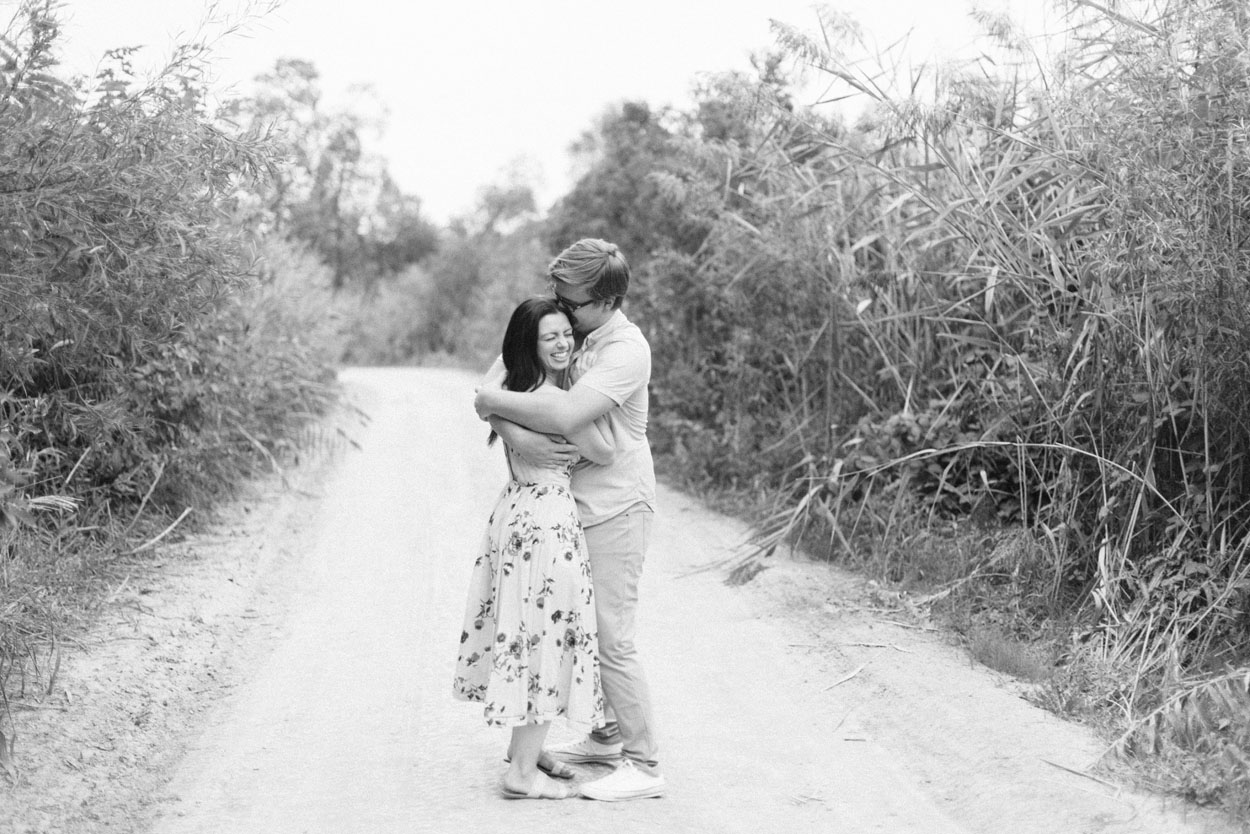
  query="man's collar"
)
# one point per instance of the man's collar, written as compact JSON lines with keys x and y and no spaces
{"x":615,"y":322}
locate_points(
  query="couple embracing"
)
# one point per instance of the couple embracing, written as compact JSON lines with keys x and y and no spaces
{"x":549,"y":625}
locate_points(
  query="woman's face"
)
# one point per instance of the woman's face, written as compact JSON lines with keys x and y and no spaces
{"x":555,"y":342}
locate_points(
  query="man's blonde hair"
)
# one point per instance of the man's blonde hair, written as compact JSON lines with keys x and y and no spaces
{"x":594,"y":264}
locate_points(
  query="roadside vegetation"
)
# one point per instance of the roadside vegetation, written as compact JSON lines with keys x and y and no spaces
{"x":992,"y":347}
{"x":1047,"y":308}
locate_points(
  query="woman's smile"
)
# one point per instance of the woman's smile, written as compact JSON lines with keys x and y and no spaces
{"x":555,"y":341}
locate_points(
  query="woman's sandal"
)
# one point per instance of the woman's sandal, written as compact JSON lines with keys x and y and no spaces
{"x":543,"y":788}
{"x":554,"y":768}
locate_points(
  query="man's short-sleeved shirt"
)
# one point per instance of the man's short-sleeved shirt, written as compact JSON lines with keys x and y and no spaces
{"x":615,"y":360}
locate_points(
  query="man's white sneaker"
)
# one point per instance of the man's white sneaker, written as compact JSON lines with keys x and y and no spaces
{"x":628,"y":781}
{"x":587,"y":751}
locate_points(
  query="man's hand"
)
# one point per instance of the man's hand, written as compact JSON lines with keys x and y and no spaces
{"x":546,"y":451}
{"x":539,"y":449}
{"x":481,"y":401}
{"x":492,"y":381}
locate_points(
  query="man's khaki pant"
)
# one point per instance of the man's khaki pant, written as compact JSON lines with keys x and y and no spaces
{"x":617,"y":549}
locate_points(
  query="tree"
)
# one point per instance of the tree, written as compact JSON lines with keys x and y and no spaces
{"x":332,"y":194}
{"x":492,"y":258}
{"x":621,"y":196}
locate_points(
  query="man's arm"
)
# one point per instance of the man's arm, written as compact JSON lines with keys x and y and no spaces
{"x":493,"y":378}
{"x":596,"y":441}
{"x":547,"y":410}
{"x":539,"y":449}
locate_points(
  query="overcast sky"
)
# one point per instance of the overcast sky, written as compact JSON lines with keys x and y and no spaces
{"x":473,"y":85}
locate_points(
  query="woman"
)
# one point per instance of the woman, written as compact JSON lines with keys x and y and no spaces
{"x":528,"y":650}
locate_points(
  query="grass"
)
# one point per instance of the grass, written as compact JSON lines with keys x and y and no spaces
{"x":1004,"y":653}
{"x":995,"y":591}
{"x":1001,"y":593}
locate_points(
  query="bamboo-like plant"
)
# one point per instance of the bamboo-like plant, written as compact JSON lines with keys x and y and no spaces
{"x":1020,"y":303}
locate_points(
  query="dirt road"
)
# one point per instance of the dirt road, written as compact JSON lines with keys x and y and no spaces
{"x":784,"y":705}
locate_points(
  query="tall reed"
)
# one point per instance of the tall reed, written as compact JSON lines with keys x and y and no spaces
{"x":1021,"y":303}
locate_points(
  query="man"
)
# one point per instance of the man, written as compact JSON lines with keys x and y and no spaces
{"x":610,"y":372}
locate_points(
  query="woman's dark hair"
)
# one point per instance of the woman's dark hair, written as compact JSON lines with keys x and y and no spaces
{"x":520,"y":344}
{"x":523,"y":369}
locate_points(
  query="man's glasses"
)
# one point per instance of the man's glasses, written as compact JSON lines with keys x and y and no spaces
{"x":573,"y":306}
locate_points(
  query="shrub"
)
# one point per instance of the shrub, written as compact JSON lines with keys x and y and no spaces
{"x":143,"y":366}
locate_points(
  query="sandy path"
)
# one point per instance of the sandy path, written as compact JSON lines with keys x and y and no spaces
{"x":346,"y":724}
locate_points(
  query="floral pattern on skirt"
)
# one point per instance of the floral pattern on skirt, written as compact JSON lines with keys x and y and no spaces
{"x":528,"y":650}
